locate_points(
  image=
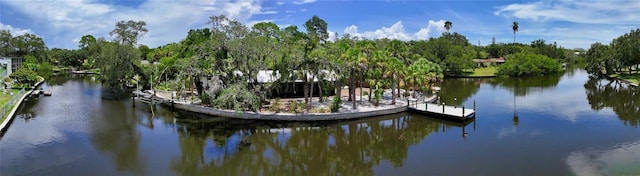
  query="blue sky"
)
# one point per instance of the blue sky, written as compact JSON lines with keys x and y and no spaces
{"x":571,"y":23}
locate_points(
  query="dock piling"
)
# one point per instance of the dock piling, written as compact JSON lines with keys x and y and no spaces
{"x":462,"y":110}
{"x":443,"y":107}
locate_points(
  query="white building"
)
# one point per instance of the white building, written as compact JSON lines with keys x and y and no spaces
{"x":11,"y":64}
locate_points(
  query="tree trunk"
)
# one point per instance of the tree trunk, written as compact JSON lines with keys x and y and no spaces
{"x":321,"y":96}
{"x":305,"y":88}
{"x":370,"y":92}
{"x":393,"y":87}
{"x":415,"y":82}
{"x":338,"y":88}
{"x":352,"y":88}
{"x":311,"y":92}
{"x":398,"y":88}
{"x":361,"y":80}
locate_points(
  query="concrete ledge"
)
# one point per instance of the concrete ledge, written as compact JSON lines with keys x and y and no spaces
{"x":290,"y":116}
{"x":7,"y":121}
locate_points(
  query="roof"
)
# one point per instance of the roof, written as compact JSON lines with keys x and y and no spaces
{"x":265,"y":76}
{"x":497,"y":60}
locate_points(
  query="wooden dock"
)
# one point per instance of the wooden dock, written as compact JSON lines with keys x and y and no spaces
{"x":432,"y":109}
{"x":148,"y":98}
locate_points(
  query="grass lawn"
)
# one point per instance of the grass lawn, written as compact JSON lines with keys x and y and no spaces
{"x":481,"y":72}
{"x":631,"y":78}
{"x":4,"y":98}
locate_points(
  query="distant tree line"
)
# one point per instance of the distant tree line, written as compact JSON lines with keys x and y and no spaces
{"x":221,"y":62}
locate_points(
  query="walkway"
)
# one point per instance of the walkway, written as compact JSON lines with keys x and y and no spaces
{"x":363,"y":109}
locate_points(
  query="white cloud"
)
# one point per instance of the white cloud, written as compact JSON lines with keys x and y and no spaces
{"x":303,"y":2}
{"x":332,"y":35}
{"x":167,"y":21}
{"x":508,"y":131}
{"x":397,"y":31}
{"x":618,"y":159}
{"x":434,"y":26}
{"x":15,"y":31}
{"x":578,"y":11}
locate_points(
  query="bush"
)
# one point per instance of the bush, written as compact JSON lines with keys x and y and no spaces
{"x":335,"y":105}
{"x":276,"y":106}
{"x":319,"y":110}
{"x":293,"y":106}
{"x":301,"y":106}
{"x":205,"y":98}
{"x":378,"y":96}
{"x":521,"y":64}
{"x":237,"y":97}
{"x":25,"y":77}
{"x":297,"y":106}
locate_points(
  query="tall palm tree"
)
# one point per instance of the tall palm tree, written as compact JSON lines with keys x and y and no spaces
{"x":394,"y":69}
{"x":448,"y":25}
{"x":514,"y":26}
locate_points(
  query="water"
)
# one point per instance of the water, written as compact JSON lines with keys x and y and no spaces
{"x":555,"y":125}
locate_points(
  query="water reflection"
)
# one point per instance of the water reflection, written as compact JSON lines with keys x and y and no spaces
{"x":621,"y":159}
{"x":118,"y":137}
{"x":76,"y":132}
{"x":621,"y":98}
{"x":232,"y":147}
{"x":525,"y":86}
{"x":456,"y":91}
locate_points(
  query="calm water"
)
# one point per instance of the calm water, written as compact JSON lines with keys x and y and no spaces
{"x":558,"y":125}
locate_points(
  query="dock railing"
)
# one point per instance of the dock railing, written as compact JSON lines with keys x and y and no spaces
{"x":9,"y":104}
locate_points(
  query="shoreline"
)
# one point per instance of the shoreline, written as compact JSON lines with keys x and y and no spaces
{"x":469,"y":76}
{"x":345,"y":113}
{"x":11,"y":115}
{"x":622,"y":80}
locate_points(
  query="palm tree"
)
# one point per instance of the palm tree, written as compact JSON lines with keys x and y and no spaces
{"x":514,"y":26}
{"x":448,"y":25}
{"x":423,"y":72}
{"x":394,"y":68}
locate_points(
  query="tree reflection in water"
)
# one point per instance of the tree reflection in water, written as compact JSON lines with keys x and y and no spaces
{"x":624,"y":100}
{"x":234,"y":147}
{"x":524,"y":86}
{"x":456,"y":91}
{"x":118,"y":137}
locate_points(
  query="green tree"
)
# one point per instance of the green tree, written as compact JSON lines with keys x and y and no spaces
{"x":627,"y":52}
{"x":527,"y":64}
{"x":6,"y":48}
{"x":422,"y":74}
{"x":515,"y":26}
{"x":30,"y":44}
{"x":116,"y":63}
{"x":448,"y":25}
{"x":25,"y":77}
{"x":311,"y":65}
{"x":599,"y":59}
{"x":317,"y":30}
{"x":87,"y":41}
{"x":116,"y":59}
{"x":128,"y":32}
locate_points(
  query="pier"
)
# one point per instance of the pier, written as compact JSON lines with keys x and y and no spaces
{"x":428,"y":108}
{"x":148,"y":98}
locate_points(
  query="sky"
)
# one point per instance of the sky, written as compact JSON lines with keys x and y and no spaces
{"x":570,"y":23}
